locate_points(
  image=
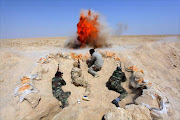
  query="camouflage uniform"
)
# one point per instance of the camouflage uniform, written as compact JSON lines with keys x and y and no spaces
{"x":114,"y":83}
{"x":57,"y":83}
{"x":79,"y":80}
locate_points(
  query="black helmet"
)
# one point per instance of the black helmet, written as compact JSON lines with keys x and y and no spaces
{"x":118,"y":68}
{"x":58,"y":74}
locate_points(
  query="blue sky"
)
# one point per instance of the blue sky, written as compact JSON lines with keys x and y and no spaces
{"x":56,"y":18}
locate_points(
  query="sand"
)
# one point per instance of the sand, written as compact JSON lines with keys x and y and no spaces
{"x":158,"y":56}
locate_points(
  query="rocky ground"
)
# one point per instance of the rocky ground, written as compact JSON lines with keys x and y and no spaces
{"x":158,"y":56}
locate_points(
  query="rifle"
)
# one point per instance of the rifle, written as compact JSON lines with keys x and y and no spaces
{"x":120,"y":63}
{"x":58,"y":71}
{"x":78,"y":63}
{"x":58,"y":68}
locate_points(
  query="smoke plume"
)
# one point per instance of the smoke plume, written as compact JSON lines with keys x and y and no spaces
{"x":120,"y":28}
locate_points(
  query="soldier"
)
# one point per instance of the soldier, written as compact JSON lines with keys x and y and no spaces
{"x":114,"y":83}
{"x":57,"y":83}
{"x":95,"y":63}
{"x":78,"y":79}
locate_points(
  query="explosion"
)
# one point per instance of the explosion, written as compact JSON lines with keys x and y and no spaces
{"x":90,"y":31}
{"x":87,"y":28}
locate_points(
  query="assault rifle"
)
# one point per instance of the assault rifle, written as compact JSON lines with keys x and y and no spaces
{"x":79,"y":64}
{"x":58,"y":71}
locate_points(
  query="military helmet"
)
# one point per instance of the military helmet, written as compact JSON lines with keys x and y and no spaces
{"x":75,"y":64}
{"x":58,"y":74}
{"x":119,"y":69}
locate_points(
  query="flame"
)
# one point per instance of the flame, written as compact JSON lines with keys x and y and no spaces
{"x":140,"y":80}
{"x":86,"y":56}
{"x":133,"y":68}
{"x":79,"y":56}
{"x":21,"y":89}
{"x":117,"y":59}
{"x":136,"y":69}
{"x":25,"y":80}
{"x":142,"y":71}
{"x":74,"y":56}
{"x":42,"y":60}
{"x":87,"y":28}
{"x":110,"y":54}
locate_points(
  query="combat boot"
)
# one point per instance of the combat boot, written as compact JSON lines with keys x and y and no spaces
{"x":115,"y":103}
{"x":64,"y":103}
{"x":67,"y":94}
{"x":85,"y":98}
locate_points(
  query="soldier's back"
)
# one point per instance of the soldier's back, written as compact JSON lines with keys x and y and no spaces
{"x":76,"y":72}
{"x":118,"y":76}
{"x":98,"y":59}
{"x":57,"y":83}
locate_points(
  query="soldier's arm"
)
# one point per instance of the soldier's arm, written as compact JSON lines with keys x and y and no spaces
{"x":80,"y":72}
{"x":111,"y":79}
{"x":62,"y":81}
{"x":114,"y":73}
{"x":93,"y":58}
{"x":123,"y":77}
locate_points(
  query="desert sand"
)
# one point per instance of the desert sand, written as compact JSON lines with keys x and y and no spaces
{"x":158,"y":56}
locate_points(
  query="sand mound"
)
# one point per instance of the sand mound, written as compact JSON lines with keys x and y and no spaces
{"x":159,"y":60}
{"x":131,"y":112}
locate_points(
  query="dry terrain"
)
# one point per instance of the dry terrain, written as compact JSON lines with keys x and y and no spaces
{"x":158,"y":56}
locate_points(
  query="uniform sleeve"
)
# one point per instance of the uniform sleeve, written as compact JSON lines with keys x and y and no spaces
{"x":72,"y":72}
{"x":80,"y":72}
{"x":53,"y":86}
{"x":114,"y":73}
{"x":123,"y":77}
{"x":62,"y":82}
{"x":114,"y":76}
{"x":93,"y":58}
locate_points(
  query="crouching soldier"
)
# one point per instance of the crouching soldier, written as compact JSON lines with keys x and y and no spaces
{"x":114,"y":83}
{"x":95,"y":63}
{"x":79,"y":80}
{"x":57,"y":83}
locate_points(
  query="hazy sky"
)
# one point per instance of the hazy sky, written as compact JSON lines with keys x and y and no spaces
{"x":55,"y":18}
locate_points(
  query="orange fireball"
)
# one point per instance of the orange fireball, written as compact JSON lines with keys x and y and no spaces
{"x":87,"y":28}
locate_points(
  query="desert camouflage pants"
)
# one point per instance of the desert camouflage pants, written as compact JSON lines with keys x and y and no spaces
{"x":80,"y":81}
